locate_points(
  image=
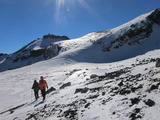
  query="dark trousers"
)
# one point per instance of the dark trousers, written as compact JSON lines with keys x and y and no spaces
{"x":36,"y":94}
{"x":43,"y":92}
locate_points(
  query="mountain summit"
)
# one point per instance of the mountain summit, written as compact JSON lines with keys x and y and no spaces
{"x":128,"y":40}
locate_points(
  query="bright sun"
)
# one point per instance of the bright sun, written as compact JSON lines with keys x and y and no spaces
{"x":65,"y":11}
{"x":64,"y":6}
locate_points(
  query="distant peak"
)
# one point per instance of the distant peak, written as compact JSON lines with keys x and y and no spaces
{"x":54,"y":36}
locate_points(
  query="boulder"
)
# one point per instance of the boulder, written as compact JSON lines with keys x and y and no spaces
{"x":93,"y":76}
{"x":82,"y":90}
{"x":149,"y":102}
{"x":51,"y":89}
{"x":158,"y":62}
{"x":65,"y":85}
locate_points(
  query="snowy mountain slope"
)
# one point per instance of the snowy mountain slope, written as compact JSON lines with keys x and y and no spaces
{"x":98,"y":90}
{"x":128,"y":40}
{"x":33,"y":52}
{"x":94,"y":94}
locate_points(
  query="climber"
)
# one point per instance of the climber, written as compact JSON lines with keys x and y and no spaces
{"x":43,"y":85}
{"x":35,"y":87}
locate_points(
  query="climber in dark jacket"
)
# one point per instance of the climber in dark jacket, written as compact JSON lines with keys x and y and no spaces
{"x":35,"y":87}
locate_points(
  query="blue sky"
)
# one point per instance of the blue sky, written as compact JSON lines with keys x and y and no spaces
{"x":22,"y":21}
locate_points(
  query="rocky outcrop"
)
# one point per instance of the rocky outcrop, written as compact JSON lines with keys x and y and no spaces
{"x":55,"y":37}
{"x":158,"y":62}
{"x":82,"y":90}
{"x":35,"y":53}
{"x":135,"y":35}
{"x":155,"y":16}
{"x":65,"y":85}
{"x":51,"y":51}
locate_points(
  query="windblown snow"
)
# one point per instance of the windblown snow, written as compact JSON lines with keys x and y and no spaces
{"x":106,"y":75}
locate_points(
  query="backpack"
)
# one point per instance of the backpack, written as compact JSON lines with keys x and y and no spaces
{"x":35,"y":86}
{"x":42,"y":84}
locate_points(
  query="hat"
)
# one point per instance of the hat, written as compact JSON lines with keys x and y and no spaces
{"x":42,"y":78}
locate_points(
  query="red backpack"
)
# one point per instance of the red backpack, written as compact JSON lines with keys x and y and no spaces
{"x":42,"y":84}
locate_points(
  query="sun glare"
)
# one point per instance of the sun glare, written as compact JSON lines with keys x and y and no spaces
{"x":64,"y":6}
{"x":60,"y":3}
{"x":65,"y":11}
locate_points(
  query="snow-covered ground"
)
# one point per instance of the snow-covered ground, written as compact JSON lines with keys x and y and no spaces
{"x":15,"y":87}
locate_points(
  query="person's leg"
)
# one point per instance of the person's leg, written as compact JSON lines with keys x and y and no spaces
{"x":43,"y":94}
{"x":36,"y":94}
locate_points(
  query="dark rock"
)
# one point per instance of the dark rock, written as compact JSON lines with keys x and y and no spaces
{"x":114,"y":113}
{"x":93,"y":76}
{"x":152,"y":60}
{"x":51,"y":51}
{"x":35,"y":53}
{"x":82,"y":90}
{"x":158,"y":62}
{"x":135,"y":100}
{"x":87,"y":105}
{"x":103,"y":93}
{"x":71,"y":114}
{"x":82,"y":101}
{"x":133,"y":89}
{"x":32,"y":116}
{"x":124,"y":91}
{"x":132,"y":36}
{"x":137,"y":110}
{"x":65,"y":85}
{"x":51,"y":89}
{"x":134,"y":115}
{"x":55,"y":37}
{"x":155,"y":16}
{"x":149,"y":102}
{"x":102,"y":77}
{"x":120,"y":84}
{"x":153,"y":87}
